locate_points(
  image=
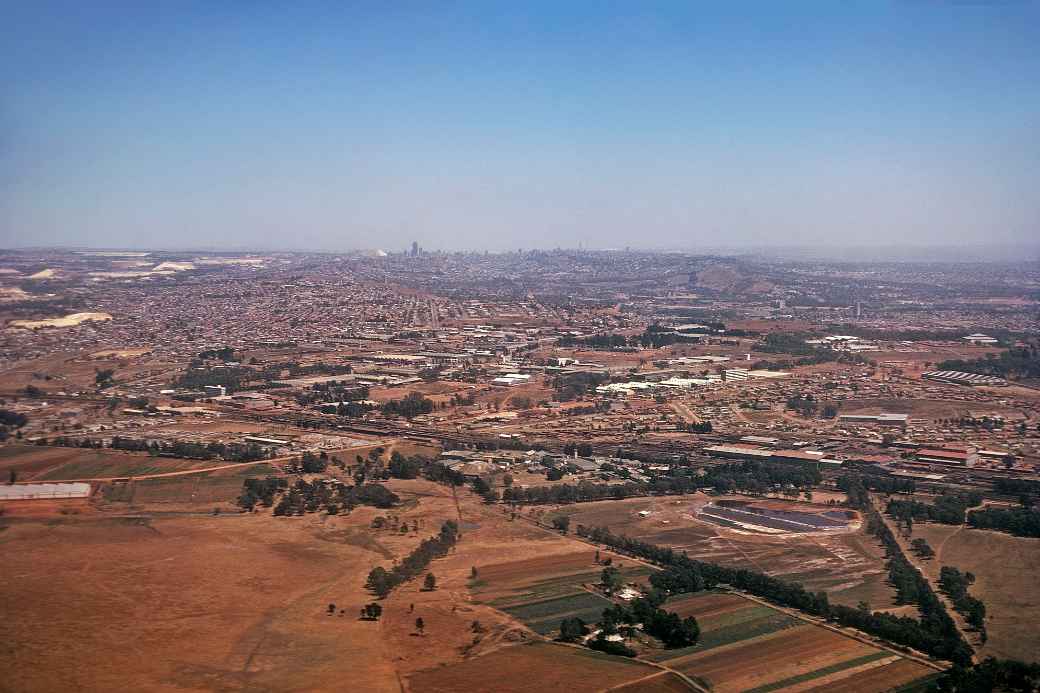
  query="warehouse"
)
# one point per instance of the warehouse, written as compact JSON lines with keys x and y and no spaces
{"x":961,"y":378}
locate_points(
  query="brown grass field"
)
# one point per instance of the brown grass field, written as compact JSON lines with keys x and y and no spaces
{"x":33,"y":463}
{"x":149,"y":600}
{"x":538,"y":667}
{"x":1006,"y":570}
{"x":147,"y":589}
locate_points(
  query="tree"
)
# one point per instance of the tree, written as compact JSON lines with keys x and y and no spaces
{"x":921,"y":547}
{"x":372,"y":612}
{"x":12,"y":418}
{"x":562,"y":523}
{"x":611,"y":579}
{"x":103,"y":378}
{"x":430,"y":583}
{"x":473,"y":573}
{"x":380,"y":582}
{"x":420,"y":626}
{"x":571,"y":629}
{"x":332,"y":609}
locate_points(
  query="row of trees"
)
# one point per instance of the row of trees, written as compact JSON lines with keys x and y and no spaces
{"x":582,"y":449}
{"x":1017,"y":362}
{"x":955,"y":584}
{"x":932,"y":634}
{"x":881,"y":484}
{"x":1016,"y":487}
{"x":1022,"y":522}
{"x":413,"y":404}
{"x":231,"y":452}
{"x":311,"y":496}
{"x":751,"y":476}
{"x":12,"y":418}
{"x":808,"y":406}
{"x":991,"y":675}
{"x":571,"y":386}
{"x":231,"y":377}
{"x":596,"y":341}
{"x":401,"y":467}
{"x":656,"y":337}
{"x":382,"y":581}
{"x":948,"y":509}
{"x":785,"y":343}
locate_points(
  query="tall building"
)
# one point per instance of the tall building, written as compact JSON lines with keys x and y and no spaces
{"x":415,"y":248}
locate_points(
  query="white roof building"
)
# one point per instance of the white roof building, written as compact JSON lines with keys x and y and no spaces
{"x":41,"y":491}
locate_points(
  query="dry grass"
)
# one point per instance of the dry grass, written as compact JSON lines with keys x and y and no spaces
{"x":1006,"y":570}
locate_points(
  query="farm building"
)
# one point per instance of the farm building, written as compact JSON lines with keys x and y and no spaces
{"x":41,"y":491}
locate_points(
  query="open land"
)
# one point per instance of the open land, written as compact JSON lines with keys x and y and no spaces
{"x":1005,"y":568}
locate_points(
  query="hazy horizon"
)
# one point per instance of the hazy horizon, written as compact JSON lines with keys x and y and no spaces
{"x":319,"y":127}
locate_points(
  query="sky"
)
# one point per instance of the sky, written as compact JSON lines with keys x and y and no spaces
{"x":485,"y":125}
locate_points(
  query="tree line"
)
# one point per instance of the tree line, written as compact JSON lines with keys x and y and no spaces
{"x":948,"y":508}
{"x":229,"y":452}
{"x":1015,"y":363}
{"x":955,"y":584}
{"x":991,"y":675}
{"x":413,"y":404}
{"x":752,"y":476}
{"x":382,"y":581}
{"x":571,"y":386}
{"x":1021,"y":522}
{"x":312,"y":496}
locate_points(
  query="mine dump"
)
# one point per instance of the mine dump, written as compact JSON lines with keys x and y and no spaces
{"x":776,"y":517}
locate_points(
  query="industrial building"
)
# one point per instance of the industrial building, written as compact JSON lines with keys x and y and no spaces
{"x":880,"y":419}
{"x":961,"y":378}
{"x":942,"y":456}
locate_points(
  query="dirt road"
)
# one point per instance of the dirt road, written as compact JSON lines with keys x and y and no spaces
{"x":958,"y":619}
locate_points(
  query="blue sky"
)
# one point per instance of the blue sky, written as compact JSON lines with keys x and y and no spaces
{"x":491,"y":125}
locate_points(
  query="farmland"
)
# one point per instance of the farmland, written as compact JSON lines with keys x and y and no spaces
{"x":55,"y":463}
{"x":541,"y":592}
{"x":540,"y":666}
{"x":848,"y":565}
{"x":746,"y":646}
